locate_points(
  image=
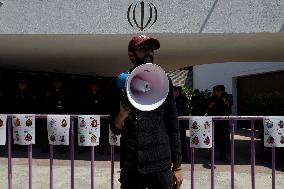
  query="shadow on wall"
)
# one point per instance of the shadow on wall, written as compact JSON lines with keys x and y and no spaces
{"x":208,"y":16}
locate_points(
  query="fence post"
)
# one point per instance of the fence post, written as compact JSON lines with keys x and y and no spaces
{"x":252,"y":156}
{"x":232,"y":154}
{"x":72,"y":153}
{"x":273,"y":167}
{"x":212,"y":158}
{"x":30,"y":156}
{"x":192,"y":167}
{"x":92,"y":167}
{"x":9,"y":153}
{"x":51,"y":165}
{"x":112,"y":166}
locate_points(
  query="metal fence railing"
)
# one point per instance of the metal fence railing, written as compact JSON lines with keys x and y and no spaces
{"x":72,"y":145}
{"x":232,"y":159}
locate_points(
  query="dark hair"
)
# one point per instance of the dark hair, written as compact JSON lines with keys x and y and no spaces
{"x":219,"y":87}
{"x":178,"y":88}
{"x":23,"y":81}
{"x":94,"y":81}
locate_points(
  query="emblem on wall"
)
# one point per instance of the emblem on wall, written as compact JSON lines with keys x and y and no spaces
{"x":133,"y":11}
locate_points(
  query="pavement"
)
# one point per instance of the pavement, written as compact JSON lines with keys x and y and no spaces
{"x":202,"y":174}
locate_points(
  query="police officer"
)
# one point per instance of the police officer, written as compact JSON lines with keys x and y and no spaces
{"x":57,"y":102}
{"x":95,"y":103}
{"x":57,"y":99}
{"x":23,"y":102}
{"x":220,"y":105}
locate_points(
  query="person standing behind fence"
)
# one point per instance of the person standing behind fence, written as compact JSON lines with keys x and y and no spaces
{"x":23,"y":102}
{"x":57,"y":102}
{"x":182,"y":110}
{"x":220,"y":105}
{"x":57,"y":99}
{"x":198,"y":103}
{"x":95,"y":103}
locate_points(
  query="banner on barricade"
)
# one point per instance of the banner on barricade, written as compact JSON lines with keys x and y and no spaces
{"x":113,"y":138}
{"x":23,"y":129}
{"x":88,"y":130}
{"x":58,"y":127}
{"x":3,"y":121}
{"x":200,"y":131}
{"x":273,"y":131}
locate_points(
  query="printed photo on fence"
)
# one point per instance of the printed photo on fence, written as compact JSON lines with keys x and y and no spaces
{"x":24,"y":129}
{"x":58,"y":127}
{"x":200,"y":132}
{"x":88,"y":130}
{"x":3,"y":120}
{"x":114,"y":139}
{"x":273,"y":131}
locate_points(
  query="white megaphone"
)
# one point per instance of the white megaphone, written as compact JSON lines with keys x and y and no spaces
{"x":146,"y":87}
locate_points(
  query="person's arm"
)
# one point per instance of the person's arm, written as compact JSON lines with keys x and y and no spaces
{"x":119,"y":112}
{"x":171,"y":122}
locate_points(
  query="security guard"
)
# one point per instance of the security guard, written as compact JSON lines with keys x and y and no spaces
{"x":57,"y":102}
{"x":95,"y":103}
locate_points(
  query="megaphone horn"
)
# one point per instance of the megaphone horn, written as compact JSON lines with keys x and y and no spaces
{"x":146,"y":87}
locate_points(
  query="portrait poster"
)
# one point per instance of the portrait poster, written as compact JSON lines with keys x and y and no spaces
{"x":23,"y":129}
{"x":58,"y":128}
{"x":200,"y":131}
{"x":88,"y":130}
{"x":3,"y":126}
{"x":273,"y":131}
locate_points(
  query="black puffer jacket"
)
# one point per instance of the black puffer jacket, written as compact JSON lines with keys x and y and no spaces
{"x":150,"y":140}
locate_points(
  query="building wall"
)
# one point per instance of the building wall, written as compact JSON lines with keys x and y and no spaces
{"x":206,"y":76}
{"x":109,"y":17}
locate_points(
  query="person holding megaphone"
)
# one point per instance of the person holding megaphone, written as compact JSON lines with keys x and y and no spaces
{"x":146,"y":117}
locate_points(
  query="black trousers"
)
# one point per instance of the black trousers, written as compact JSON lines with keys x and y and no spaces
{"x":222,"y":136}
{"x":222,"y":139}
{"x":159,"y":180}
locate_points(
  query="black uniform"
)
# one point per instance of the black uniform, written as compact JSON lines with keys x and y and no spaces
{"x":23,"y":102}
{"x":198,"y":103}
{"x":96,"y":103}
{"x":150,"y":144}
{"x":57,"y":102}
{"x":221,"y":128}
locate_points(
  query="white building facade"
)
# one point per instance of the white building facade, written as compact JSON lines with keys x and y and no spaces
{"x":206,"y":76}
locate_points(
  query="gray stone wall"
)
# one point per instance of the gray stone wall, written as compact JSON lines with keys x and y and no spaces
{"x":109,"y":16}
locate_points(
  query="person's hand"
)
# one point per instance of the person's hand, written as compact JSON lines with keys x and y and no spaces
{"x":124,"y":110}
{"x":211,"y":104}
{"x":178,"y":178}
{"x":122,"y":115}
{"x":227,"y":103}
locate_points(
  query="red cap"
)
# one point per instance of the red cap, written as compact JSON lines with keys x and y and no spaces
{"x":143,"y":39}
